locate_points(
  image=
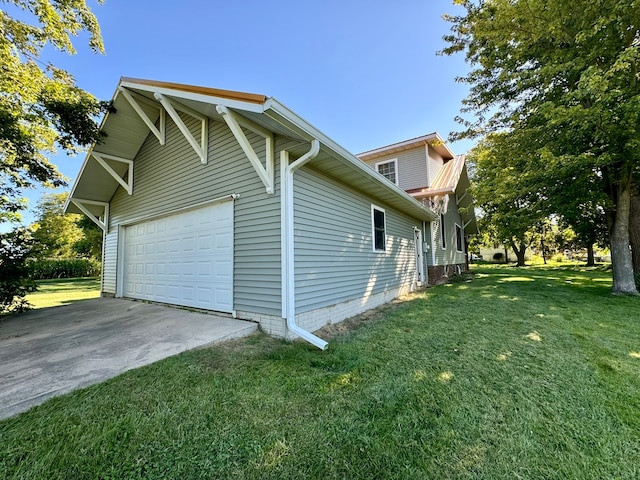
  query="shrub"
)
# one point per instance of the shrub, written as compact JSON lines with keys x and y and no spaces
{"x":558,"y":257}
{"x":15,"y":248}
{"x":64,"y":268}
{"x":498,"y":257}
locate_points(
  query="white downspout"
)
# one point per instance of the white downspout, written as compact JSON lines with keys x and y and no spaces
{"x":288,"y":251}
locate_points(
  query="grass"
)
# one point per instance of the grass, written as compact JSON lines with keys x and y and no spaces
{"x":53,"y":293}
{"x":520,"y":373}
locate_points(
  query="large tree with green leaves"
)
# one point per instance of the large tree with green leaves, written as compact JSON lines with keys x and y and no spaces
{"x":501,"y":189}
{"x":41,"y":107}
{"x":55,"y":232}
{"x":567,"y":74}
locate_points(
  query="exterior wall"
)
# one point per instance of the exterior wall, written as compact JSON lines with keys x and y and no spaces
{"x":435,"y":163}
{"x":335,"y":261}
{"x":170,"y":177}
{"x":412,"y":167}
{"x":316,"y":319}
{"x":448,"y":255}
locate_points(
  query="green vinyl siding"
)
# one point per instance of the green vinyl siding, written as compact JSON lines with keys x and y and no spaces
{"x":448,"y":255}
{"x":109,"y":260}
{"x":334,"y":257}
{"x":171,"y":177}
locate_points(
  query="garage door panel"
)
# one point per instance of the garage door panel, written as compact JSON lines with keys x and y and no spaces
{"x":184,"y":259}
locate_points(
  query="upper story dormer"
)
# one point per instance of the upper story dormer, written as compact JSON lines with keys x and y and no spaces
{"x":412,"y":164}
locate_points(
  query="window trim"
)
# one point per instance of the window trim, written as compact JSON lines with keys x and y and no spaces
{"x":395,"y":168}
{"x":460,"y":237}
{"x":373,"y":229}
{"x":443,"y":236}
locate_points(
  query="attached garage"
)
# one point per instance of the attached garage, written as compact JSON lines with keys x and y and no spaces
{"x":230,"y":202}
{"x":185,"y":258}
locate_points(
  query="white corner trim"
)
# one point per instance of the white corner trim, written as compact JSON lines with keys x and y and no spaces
{"x":235,"y":123}
{"x":133,"y":99}
{"x":128,"y":184}
{"x":200,"y":148}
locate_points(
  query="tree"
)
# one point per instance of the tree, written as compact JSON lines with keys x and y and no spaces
{"x":40,"y":108}
{"x":15,"y":250}
{"x":90,"y":245}
{"x":568,"y":73}
{"x":55,"y":232}
{"x":40,"y":105}
{"x":501,"y":191}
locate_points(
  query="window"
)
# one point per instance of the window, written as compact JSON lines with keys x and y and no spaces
{"x":388,"y":169}
{"x":443,"y":232}
{"x":378,"y":225}
{"x":459,"y":238}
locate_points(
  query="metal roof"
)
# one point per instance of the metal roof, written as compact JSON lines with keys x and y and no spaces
{"x":453,"y":178}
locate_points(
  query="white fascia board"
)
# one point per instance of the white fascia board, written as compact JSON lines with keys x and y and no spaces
{"x":292,"y":121}
{"x":196,"y":97}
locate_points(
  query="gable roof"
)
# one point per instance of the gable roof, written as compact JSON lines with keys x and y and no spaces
{"x":432,"y":139}
{"x":126,"y":132}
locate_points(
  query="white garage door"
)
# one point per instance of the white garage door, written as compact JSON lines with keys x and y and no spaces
{"x":183,"y":259}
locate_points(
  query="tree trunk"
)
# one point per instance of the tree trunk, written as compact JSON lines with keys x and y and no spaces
{"x":520,"y":254}
{"x":591,"y":261}
{"x":634,"y":228}
{"x":544,"y":254}
{"x":621,"y":261}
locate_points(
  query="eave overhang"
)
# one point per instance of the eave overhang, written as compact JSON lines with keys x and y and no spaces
{"x":126,"y":132}
{"x":432,"y":139}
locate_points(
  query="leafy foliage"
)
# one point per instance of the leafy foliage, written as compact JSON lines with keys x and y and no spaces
{"x":511,"y":208}
{"x":40,"y":105}
{"x":55,"y":231}
{"x":562,"y":76}
{"x":63,"y":268}
{"x":90,"y":245}
{"x":15,"y":249}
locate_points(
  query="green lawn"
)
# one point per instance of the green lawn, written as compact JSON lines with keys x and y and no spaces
{"x":520,"y":373}
{"x":53,"y":293}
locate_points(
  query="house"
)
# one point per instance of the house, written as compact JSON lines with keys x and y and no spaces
{"x":229,"y":201}
{"x":427,"y":169}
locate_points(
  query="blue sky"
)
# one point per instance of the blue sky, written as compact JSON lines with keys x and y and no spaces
{"x":365,"y":73}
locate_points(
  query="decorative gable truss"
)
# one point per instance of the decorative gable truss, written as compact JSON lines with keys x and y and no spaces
{"x":103,"y":220}
{"x":170,"y":106}
{"x":133,"y":99}
{"x":234,"y":121}
{"x":459,"y":200}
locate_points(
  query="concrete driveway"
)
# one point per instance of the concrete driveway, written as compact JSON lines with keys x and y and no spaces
{"x":51,"y":351}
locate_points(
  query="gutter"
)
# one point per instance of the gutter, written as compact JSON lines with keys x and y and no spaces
{"x":288,"y":248}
